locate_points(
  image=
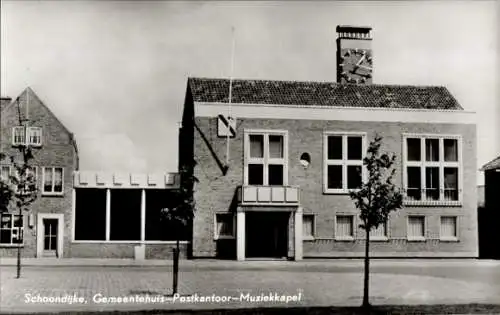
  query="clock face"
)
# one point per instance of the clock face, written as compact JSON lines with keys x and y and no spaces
{"x":356,"y":65}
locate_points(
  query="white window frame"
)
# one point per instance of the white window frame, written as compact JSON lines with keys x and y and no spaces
{"x":313,"y":235}
{"x":29,"y":133}
{"x":265,"y":160}
{"x":441,"y":164}
{"x":353,"y":227}
{"x":12,"y":229}
{"x":385,"y":237}
{"x":216,"y":231}
{"x":411,"y":238}
{"x":344,"y":162}
{"x":449,"y":238}
{"x":27,"y":136}
{"x":52,"y":192}
{"x":36,"y":176}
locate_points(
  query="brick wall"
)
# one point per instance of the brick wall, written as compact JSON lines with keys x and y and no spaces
{"x":56,"y":151}
{"x":215,"y":191}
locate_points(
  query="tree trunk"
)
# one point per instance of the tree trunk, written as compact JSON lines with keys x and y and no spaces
{"x":19,"y":245}
{"x":176,"y":268}
{"x":366,"y":303}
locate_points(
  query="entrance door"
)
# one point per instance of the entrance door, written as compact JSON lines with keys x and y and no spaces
{"x":267,"y":234}
{"x":50,"y":237}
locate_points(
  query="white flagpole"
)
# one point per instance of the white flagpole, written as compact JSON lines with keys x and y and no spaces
{"x":230,"y":95}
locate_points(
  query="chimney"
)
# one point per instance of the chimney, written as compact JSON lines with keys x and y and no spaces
{"x":4,"y":101}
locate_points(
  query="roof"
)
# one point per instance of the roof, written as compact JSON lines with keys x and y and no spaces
{"x":492,"y":165}
{"x":212,"y":90}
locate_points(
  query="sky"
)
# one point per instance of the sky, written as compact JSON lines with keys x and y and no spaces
{"x":115,"y":72}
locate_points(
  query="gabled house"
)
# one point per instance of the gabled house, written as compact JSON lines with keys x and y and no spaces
{"x":276,"y":159}
{"x":43,"y":232}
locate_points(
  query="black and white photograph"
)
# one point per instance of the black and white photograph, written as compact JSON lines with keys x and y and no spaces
{"x":250,"y":157}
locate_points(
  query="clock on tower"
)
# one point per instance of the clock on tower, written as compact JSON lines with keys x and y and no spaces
{"x":354,"y":55}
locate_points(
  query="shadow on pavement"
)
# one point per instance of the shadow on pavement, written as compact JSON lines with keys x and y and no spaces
{"x":386,"y":309}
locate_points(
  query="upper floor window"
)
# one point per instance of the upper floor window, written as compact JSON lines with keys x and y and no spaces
{"x":432,"y":169}
{"x":343,"y":161}
{"x":26,"y":135}
{"x":5,"y":173}
{"x":52,"y":180}
{"x":11,"y":229}
{"x":266,"y":158}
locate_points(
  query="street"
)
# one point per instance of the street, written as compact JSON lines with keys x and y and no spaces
{"x":327,"y":283}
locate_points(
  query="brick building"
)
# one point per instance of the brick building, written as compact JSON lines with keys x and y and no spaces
{"x":276,"y":159}
{"x":79,"y":213}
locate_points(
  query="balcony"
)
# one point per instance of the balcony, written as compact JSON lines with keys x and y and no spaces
{"x":433,"y":197}
{"x":268,"y":195}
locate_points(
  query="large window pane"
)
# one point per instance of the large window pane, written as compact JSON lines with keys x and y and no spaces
{"x":335,"y":176}
{"x":158,"y":227}
{"x":450,"y":150}
{"x":451,"y":183}
{"x":276,"y":147}
{"x":335,"y":147}
{"x":90,"y":214}
{"x":416,"y":226}
{"x":125,"y":215}
{"x":255,"y":174}
{"x":354,"y":148}
{"x":432,"y":183}
{"x":432,"y":150}
{"x":414,"y":183}
{"x":256,"y":146}
{"x":413,"y":149}
{"x":275,"y":175}
{"x":353,"y":177}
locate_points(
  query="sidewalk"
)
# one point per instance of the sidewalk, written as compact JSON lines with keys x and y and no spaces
{"x":316,"y":288}
{"x":232,"y":264}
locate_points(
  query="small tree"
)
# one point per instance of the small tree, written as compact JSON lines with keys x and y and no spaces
{"x":19,"y":189}
{"x":181,"y":213}
{"x":376,"y":199}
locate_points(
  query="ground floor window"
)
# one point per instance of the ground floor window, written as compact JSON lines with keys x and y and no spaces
{"x":416,"y":227}
{"x":90,"y":214}
{"x":224,"y":225}
{"x":344,"y":227}
{"x":448,"y":229}
{"x":308,"y":226}
{"x":125,"y":221}
{"x":11,"y":229}
{"x":158,"y":228}
{"x":379,"y":232}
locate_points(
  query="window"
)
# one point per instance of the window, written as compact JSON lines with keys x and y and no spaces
{"x":11,"y":229}
{"x":33,"y":136}
{"x":266,"y":158}
{"x":343,"y":167}
{"x":52,"y":180}
{"x":416,"y":228}
{"x":448,"y":230}
{"x":31,"y":179}
{"x":432,"y":169}
{"x":224,"y":226}
{"x":344,"y":227}
{"x":5,"y":173}
{"x":308,"y":226}
{"x":380,"y":233}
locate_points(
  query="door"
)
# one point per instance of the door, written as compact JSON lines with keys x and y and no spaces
{"x":267,"y":234}
{"x":50,"y":237}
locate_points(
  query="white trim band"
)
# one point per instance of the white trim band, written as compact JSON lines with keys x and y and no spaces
{"x":267,"y":111}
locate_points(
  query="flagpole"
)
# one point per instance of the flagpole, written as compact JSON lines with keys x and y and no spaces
{"x":230,"y":95}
